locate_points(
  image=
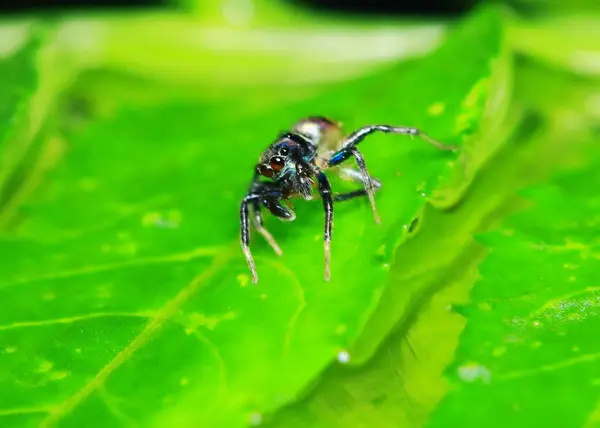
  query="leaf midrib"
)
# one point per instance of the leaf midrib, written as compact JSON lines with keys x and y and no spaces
{"x":153,"y":326}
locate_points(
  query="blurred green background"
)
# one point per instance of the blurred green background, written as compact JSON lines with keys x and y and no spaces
{"x":128,"y":137}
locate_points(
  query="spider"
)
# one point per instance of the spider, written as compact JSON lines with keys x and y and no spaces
{"x":293,"y":166}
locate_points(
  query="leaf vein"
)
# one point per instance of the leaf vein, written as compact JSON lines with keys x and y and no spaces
{"x":24,"y":411}
{"x":217,"y":355}
{"x":180,"y":257}
{"x":74,"y":319}
{"x":301,"y":302}
{"x":550,"y":367}
{"x":111,"y":404}
{"x":168,"y":311}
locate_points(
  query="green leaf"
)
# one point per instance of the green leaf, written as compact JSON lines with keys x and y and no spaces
{"x":129,"y":296}
{"x":404,"y":380}
{"x":527,"y":346}
{"x":484,"y":71}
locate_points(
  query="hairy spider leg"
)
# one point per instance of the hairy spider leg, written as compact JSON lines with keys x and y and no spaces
{"x":265,"y":194}
{"x":325,"y":192}
{"x":245,"y":233}
{"x":365,"y":177}
{"x":349,"y":149}
{"x":355,"y":176}
{"x":258,"y":222}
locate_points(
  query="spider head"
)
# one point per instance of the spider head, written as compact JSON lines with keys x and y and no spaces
{"x":275,"y":161}
{"x":280,"y":159}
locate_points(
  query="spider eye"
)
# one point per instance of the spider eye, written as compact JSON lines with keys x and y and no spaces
{"x":264,"y":170}
{"x":277,"y":163}
{"x":284,"y":151}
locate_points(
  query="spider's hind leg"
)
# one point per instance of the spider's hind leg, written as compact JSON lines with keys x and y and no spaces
{"x":349,"y":149}
{"x":370,"y":185}
{"x":356,"y":176}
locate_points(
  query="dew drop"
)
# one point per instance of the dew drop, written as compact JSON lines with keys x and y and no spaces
{"x":472,"y":372}
{"x":343,"y":357}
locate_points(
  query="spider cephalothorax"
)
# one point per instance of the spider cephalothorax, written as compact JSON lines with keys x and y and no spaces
{"x":288,"y":161}
{"x":293,"y":165}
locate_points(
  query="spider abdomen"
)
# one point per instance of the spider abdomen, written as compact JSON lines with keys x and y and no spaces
{"x":324,"y":133}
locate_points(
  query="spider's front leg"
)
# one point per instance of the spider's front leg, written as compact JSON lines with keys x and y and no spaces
{"x":245,"y":232}
{"x":270,"y":197}
{"x":349,"y":149}
{"x":325,"y":191}
{"x":257,"y":187}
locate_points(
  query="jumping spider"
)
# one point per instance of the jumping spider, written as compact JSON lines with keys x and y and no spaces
{"x":294,"y":165}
